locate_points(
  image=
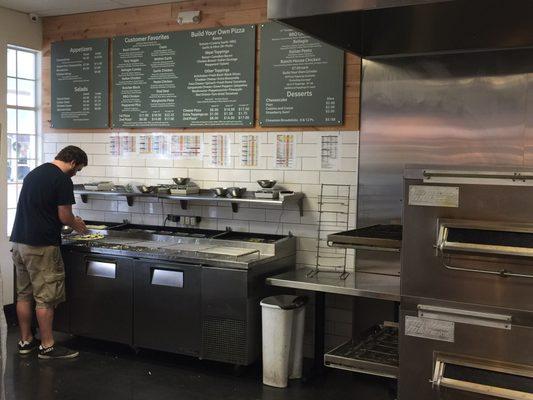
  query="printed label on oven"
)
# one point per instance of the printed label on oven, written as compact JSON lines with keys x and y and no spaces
{"x":434,"y":196}
{"x":430,"y":329}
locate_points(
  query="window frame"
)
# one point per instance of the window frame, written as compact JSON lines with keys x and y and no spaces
{"x":13,"y":162}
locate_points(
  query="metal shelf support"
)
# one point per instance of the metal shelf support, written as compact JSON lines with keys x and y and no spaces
{"x":338,"y":206}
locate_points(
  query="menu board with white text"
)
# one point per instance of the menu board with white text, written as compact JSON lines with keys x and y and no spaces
{"x":301,"y":79}
{"x":79,"y":84}
{"x":201,"y":78}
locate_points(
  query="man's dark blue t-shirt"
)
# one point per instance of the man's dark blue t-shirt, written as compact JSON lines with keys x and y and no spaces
{"x":37,"y":221}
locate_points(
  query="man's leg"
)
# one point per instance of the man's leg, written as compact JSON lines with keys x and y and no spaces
{"x":24,"y":295}
{"x":49,"y":290}
{"x":45,"y":317}
{"x":24,"y":315}
{"x":47,"y":273}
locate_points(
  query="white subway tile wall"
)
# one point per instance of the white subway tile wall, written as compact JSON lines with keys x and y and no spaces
{"x":306,"y":176}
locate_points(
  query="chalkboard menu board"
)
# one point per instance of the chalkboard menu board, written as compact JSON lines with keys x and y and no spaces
{"x":201,"y":78}
{"x":79,"y":84}
{"x":301,"y":79}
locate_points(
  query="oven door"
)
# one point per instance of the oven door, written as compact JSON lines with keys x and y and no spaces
{"x":464,"y":253}
{"x":451,"y":351}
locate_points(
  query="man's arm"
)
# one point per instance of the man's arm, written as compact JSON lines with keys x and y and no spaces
{"x":67,"y":218}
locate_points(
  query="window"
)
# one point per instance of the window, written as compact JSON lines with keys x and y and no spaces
{"x":22,"y":154}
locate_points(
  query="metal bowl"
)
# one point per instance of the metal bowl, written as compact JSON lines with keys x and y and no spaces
{"x":181,"y":181}
{"x":236,"y":191}
{"x":220,"y":191}
{"x":66,"y":230}
{"x":266,"y":183}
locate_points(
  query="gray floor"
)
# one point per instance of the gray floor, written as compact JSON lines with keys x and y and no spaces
{"x":110,"y":371}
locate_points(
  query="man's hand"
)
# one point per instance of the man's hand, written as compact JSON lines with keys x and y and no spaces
{"x":79,"y":225}
{"x":67,"y":218}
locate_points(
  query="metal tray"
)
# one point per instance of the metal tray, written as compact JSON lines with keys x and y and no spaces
{"x":375,"y":355}
{"x":375,"y":237}
{"x":228,"y":253}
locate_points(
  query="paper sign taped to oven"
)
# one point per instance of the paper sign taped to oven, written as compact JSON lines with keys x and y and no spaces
{"x":430,"y":328}
{"x":433,"y":196}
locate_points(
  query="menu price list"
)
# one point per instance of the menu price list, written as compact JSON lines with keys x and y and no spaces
{"x":80,"y":84}
{"x":144,"y":81}
{"x":185,"y":79}
{"x":301,"y":79}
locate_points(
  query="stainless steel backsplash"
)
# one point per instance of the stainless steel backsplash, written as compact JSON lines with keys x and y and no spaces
{"x":454,"y":109}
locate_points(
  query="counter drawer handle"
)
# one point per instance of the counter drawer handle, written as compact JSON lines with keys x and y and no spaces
{"x":165,"y":277}
{"x":102,"y":269}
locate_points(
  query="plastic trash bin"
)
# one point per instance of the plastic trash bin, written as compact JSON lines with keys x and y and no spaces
{"x":283,"y":320}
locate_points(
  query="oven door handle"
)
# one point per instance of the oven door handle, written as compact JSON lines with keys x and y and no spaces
{"x":440,"y":379}
{"x":469,"y":317}
{"x":502,"y":273}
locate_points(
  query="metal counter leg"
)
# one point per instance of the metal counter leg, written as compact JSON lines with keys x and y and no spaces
{"x":320,"y":320}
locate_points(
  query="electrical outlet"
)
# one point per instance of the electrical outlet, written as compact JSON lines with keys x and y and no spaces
{"x":184,"y":219}
{"x":173,"y":218}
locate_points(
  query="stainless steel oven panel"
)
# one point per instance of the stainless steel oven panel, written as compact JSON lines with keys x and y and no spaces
{"x":455,"y":109}
{"x":419,"y":356}
{"x":424,"y":274}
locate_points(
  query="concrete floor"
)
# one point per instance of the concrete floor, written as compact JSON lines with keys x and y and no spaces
{"x":110,"y":371}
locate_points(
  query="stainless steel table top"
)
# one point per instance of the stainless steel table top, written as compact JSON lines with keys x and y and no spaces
{"x":359,"y":284}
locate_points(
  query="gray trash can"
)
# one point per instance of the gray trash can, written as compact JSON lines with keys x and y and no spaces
{"x":283,"y":319}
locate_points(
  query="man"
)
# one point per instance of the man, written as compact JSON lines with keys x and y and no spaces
{"x":45,"y":204}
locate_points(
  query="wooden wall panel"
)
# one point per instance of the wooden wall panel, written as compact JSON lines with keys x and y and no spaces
{"x":162,"y":18}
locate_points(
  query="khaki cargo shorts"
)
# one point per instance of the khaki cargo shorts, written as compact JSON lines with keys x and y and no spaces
{"x":40,"y":274}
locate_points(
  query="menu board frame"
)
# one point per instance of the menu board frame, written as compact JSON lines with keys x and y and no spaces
{"x":72,"y":58}
{"x":301,"y":79}
{"x":177,"y":79}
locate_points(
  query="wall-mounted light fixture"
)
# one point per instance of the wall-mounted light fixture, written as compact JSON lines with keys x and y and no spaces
{"x":189,"y":17}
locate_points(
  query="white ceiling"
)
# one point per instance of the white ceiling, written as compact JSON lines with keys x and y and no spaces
{"x":46,"y":8}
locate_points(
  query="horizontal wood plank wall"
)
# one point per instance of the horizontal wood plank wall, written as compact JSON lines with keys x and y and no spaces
{"x":162,"y":18}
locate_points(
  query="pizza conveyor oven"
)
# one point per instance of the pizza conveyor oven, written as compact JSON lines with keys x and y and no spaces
{"x":466,"y":315}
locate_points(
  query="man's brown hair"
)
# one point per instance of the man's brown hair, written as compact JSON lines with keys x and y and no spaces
{"x":72,"y":153}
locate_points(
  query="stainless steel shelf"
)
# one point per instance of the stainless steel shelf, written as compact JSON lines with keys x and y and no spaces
{"x":357,"y":284}
{"x":375,"y":355}
{"x":204,"y":195}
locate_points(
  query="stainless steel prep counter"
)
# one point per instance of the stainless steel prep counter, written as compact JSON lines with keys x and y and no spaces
{"x":358,"y":284}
